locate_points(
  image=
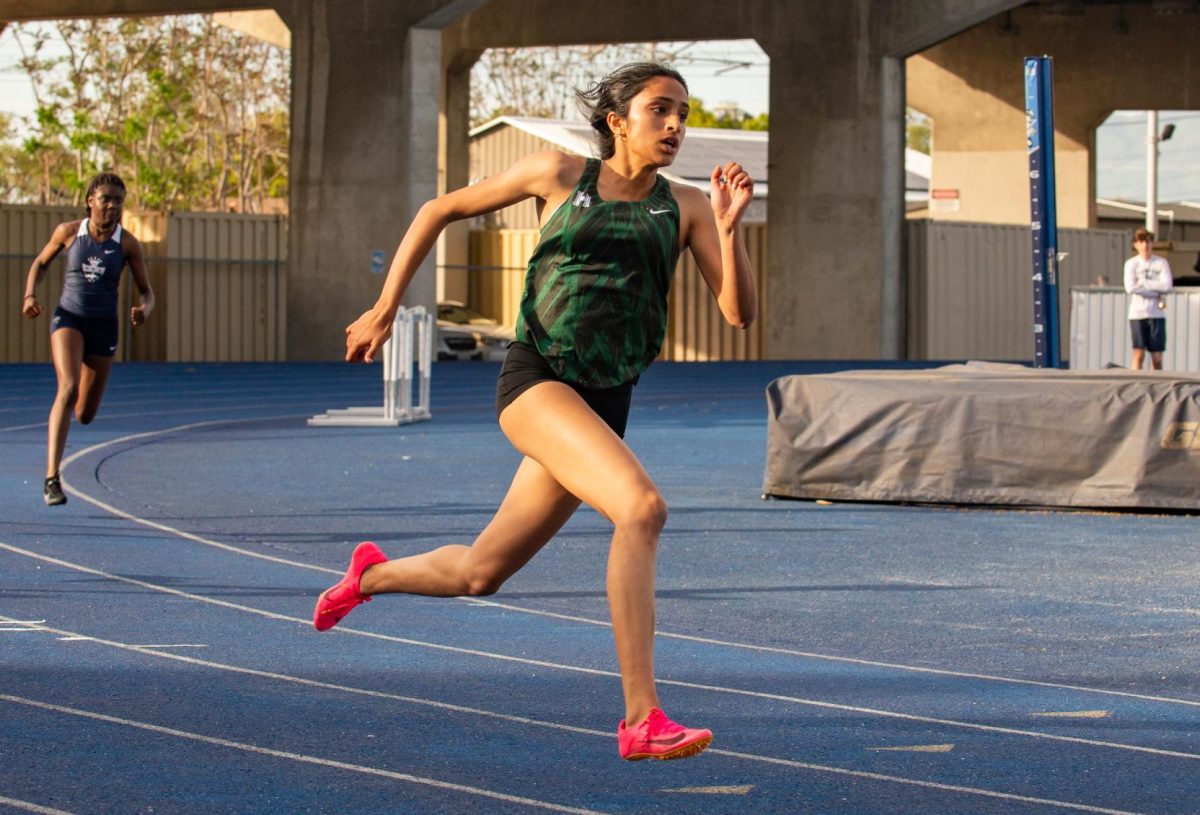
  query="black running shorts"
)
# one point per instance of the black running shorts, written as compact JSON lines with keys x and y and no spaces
{"x":99,"y":333}
{"x":524,"y":367}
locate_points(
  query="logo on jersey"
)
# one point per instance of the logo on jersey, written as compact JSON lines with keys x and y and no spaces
{"x":582,"y":199}
{"x":93,"y":269}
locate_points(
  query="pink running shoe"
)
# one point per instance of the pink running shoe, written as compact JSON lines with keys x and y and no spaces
{"x":659,"y":737}
{"x":340,"y":599}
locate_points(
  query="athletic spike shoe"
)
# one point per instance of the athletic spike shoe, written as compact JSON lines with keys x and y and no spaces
{"x":340,"y":599}
{"x":660,"y":738}
{"x":52,"y":491}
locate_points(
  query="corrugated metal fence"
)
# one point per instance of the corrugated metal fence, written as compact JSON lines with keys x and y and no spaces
{"x":1100,"y":329}
{"x":226,"y":287}
{"x":219,"y":279}
{"x":969,"y":288}
{"x":696,"y":331}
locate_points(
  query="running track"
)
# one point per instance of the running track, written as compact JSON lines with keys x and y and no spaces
{"x":156,"y":653}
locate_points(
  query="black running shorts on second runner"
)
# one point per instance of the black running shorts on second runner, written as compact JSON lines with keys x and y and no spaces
{"x":524,"y":367}
{"x":100,"y":334}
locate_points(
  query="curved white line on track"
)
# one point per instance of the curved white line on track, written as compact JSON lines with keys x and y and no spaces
{"x":300,"y":757}
{"x":170,"y":530}
{"x":560,"y":666}
{"x":569,"y":617}
{"x":185,"y":411}
{"x":523,"y":720}
{"x":28,"y":806}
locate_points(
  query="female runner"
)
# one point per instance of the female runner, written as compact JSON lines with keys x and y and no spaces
{"x":84,"y":327}
{"x":592,"y":318}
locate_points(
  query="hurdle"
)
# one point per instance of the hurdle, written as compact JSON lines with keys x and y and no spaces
{"x":411,"y":342}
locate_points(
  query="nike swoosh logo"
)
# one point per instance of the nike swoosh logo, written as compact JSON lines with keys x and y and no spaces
{"x":672,"y":740}
{"x":109,"y":251}
{"x":659,"y":211}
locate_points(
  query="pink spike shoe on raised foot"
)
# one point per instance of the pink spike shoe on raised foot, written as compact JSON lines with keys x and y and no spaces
{"x":340,"y":599}
{"x":660,"y":738}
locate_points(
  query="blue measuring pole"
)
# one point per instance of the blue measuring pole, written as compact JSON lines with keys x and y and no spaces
{"x":1043,"y":224}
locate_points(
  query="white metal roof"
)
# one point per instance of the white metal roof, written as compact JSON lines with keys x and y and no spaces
{"x":703,"y":148}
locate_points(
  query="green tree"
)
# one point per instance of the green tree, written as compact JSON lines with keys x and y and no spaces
{"x":919,"y":131}
{"x":540,"y":82}
{"x":19,"y":166}
{"x":191,"y":114}
{"x":730,"y":118}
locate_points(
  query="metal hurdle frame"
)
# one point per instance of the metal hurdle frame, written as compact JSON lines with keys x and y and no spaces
{"x":411,"y":341}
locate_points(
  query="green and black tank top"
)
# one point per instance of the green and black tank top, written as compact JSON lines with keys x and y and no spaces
{"x":595,"y":298}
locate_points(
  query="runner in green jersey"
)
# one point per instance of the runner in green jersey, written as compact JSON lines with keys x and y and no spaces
{"x":592,"y":319}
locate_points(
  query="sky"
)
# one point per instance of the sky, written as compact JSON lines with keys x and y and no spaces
{"x":738,"y":71}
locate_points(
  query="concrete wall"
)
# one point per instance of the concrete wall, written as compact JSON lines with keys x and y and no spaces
{"x":1108,"y":57}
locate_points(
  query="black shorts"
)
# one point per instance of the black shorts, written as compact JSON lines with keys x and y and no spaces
{"x":1149,"y":333}
{"x":99,"y":333}
{"x":524,"y":367}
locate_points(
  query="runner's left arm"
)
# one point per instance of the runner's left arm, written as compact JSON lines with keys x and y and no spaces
{"x":132,"y":248}
{"x":713,"y":232}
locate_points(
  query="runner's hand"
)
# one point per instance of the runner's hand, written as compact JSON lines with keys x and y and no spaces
{"x":366,"y":335}
{"x":732,"y":190}
{"x":31,"y":307}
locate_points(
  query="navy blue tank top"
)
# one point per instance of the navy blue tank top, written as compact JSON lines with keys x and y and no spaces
{"x":93,"y":274}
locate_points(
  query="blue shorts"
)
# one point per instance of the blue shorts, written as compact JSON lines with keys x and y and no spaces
{"x":524,"y":367}
{"x":1149,"y":333}
{"x":100,"y":334}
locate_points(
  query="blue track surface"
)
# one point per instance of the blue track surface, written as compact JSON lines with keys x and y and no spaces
{"x":156,"y":653}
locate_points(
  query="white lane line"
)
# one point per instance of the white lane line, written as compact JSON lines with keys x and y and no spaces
{"x":523,"y":720}
{"x":914,"y":748}
{"x":21,"y":626}
{"x":574,"y":618}
{"x":898,"y":666}
{"x":300,"y":757}
{"x":738,"y":789}
{"x":559,"y":666}
{"x":32,"y":807}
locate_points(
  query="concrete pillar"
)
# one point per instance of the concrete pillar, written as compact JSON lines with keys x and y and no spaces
{"x":364,"y":158}
{"x":825,"y":155}
{"x":893,"y":288}
{"x":454,"y":170}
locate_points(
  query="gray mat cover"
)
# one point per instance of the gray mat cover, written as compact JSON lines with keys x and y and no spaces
{"x":985,"y":433}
